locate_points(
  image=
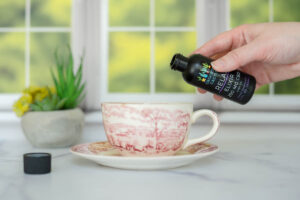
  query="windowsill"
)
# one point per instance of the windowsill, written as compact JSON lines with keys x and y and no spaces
{"x":225,"y":117}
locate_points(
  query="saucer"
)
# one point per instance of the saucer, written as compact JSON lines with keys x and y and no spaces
{"x":105,"y":154}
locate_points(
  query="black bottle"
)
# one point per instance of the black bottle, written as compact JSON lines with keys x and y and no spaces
{"x":197,"y":70}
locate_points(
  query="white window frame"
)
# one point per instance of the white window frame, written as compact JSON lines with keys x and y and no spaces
{"x":259,"y":102}
{"x":90,"y":34}
{"x":95,"y":13}
{"x":93,"y":37}
{"x":7,"y":99}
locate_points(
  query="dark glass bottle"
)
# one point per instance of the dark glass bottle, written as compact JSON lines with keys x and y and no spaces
{"x":197,"y":70}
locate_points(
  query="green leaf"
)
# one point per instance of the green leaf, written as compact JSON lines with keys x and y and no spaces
{"x":73,"y":99}
{"x":35,"y":107}
{"x":70,"y":76}
{"x":68,"y":84}
{"x":39,"y":103}
{"x":49,"y":91}
{"x":46,"y":104}
{"x":61,"y":103}
{"x":54,"y":101}
{"x":78,"y":76}
{"x":61,"y":78}
{"x":60,"y":71}
{"x":58,"y":89}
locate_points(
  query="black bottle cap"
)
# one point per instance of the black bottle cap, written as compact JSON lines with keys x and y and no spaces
{"x":179,"y":62}
{"x":37,"y":163}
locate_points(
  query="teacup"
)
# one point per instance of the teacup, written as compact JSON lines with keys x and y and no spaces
{"x":152,"y":129}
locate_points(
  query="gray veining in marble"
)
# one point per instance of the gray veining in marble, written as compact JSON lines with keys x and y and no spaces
{"x":254,"y":162}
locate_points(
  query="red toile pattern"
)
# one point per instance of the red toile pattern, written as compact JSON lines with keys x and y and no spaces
{"x":145,"y":130}
{"x":105,"y":148}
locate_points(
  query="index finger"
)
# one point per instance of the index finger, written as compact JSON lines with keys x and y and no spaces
{"x":221,"y":43}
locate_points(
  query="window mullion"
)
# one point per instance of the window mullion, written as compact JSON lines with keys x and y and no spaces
{"x":149,"y":28}
{"x":271,"y":19}
{"x":104,"y":43}
{"x":9,"y":29}
{"x":27,"y":43}
{"x":50,"y":29}
{"x":152,"y":46}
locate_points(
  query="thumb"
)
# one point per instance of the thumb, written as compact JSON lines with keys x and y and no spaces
{"x":236,"y":58}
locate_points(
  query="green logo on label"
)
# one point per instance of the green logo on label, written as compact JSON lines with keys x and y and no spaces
{"x":203,"y":74}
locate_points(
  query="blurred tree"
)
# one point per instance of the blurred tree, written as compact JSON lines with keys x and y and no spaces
{"x":291,"y":86}
{"x":129,"y":12}
{"x":12,"y":13}
{"x":12,"y":62}
{"x":166,"y":45}
{"x":256,"y":11}
{"x":42,"y":48}
{"x":175,"y":13}
{"x":42,"y":45}
{"x":50,"y":13}
{"x":129,"y":62}
{"x":47,"y":13}
{"x":249,"y":12}
{"x":284,"y":11}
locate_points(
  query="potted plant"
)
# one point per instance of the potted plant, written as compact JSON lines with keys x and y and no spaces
{"x":51,"y":117}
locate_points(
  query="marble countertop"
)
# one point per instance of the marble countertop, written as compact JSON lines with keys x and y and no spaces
{"x":254,"y":162}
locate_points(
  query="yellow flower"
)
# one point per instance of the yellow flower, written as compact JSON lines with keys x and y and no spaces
{"x":30,"y":95}
{"x":53,"y":90}
{"x":41,"y":94}
{"x":38,"y":93}
{"x":22,"y":105}
{"x":32,"y":90}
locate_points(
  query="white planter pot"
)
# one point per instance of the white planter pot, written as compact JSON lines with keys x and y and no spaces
{"x":53,"y":129}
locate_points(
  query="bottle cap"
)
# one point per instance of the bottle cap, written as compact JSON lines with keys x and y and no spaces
{"x":179,"y":62}
{"x":37,"y":163}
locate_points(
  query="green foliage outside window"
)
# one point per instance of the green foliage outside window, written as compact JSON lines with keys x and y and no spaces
{"x":129,"y":53}
{"x":256,"y":11}
{"x":44,"y":13}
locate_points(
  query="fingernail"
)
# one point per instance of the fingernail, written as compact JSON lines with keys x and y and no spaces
{"x":217,"y":65}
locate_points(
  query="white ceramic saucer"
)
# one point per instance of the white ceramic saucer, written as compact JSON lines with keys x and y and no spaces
{"x":103,"y":153}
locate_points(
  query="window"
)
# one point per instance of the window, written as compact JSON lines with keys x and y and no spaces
{"x":128,"y":46}
{"x":143,"y":38}
{"x":268,"y":11}
{"x":30,"y":30}
{"x":138,"y":40}
{"x":281,"y":95}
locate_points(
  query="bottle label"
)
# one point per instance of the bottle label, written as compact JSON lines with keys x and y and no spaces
{"x":232,"y":85}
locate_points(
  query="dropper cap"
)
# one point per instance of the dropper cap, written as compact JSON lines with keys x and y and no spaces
{"x":37,"y":163}
{"x":179,"y":62}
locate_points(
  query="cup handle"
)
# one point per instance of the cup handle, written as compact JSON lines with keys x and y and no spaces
{"x":211,"y":133}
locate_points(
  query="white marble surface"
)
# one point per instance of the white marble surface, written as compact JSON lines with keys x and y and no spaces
{"x":254,"y":162}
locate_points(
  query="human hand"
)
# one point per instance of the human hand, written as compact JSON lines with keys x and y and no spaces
{"x":269,"y":51}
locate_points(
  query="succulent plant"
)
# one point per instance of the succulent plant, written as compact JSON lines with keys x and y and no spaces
{"x":50,"y":102}
{"x":69,"y":86}
{"x":68,"y":92}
